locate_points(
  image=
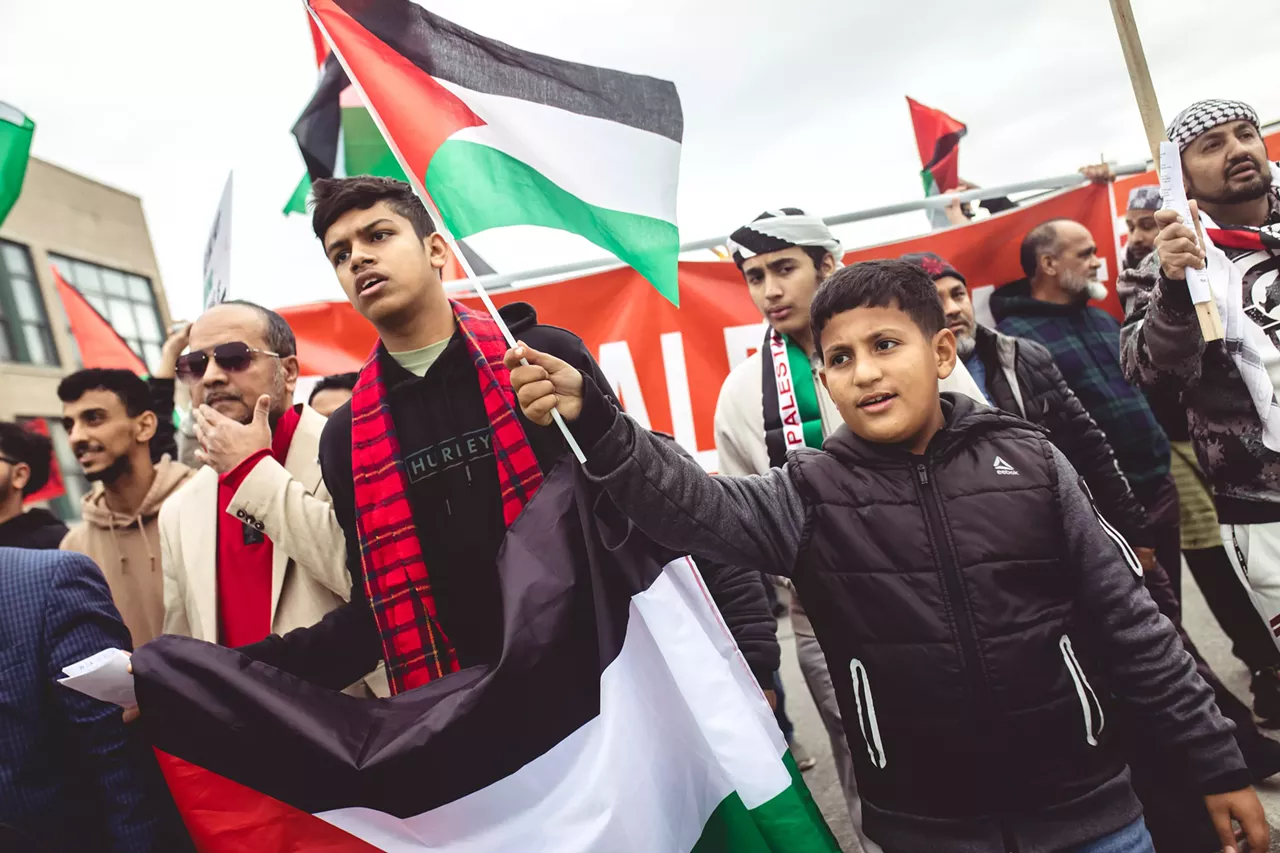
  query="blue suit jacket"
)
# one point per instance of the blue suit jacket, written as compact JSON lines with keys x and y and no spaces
{"x":71,"y":777}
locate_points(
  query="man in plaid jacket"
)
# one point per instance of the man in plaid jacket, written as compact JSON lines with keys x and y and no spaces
{"x":71,"y":778}
{"x":1050,"y":306}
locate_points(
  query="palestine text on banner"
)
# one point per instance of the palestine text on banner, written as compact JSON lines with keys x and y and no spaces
{"x":501,"y":136}
{"x":16,"y":131}
{"x":620,"y":717}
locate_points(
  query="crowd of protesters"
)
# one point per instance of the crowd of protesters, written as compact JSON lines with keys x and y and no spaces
{"x":985,"y":685}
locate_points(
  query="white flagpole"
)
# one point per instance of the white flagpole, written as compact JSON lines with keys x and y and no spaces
{"x":421,"y":191}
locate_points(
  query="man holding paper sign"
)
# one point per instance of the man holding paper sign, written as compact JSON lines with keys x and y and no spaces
{"x":71,"y":778}
{"x":1228,"y":386}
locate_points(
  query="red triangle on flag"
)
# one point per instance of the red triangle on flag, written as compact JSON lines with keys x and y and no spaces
{"x":938,"y":139}
{"x":100,"y":345}
{"x":223,"y":816}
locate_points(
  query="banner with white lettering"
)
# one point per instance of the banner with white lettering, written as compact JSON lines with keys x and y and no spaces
{"x":667,"y":363}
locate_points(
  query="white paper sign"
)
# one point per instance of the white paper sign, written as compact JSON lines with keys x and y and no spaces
{"x":217,"y":252}
{"x":104,"y":676}
{"x":1173,"y":196}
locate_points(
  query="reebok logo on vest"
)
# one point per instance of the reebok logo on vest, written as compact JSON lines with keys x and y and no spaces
{"x":1004,"y":468}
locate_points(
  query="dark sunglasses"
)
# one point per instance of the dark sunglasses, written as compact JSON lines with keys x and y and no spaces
{"x":232,"y":357}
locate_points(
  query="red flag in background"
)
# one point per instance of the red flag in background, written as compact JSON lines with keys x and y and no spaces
{"x":55,"y":488}
{"x":100,"y":345}
{"x":938,"y":138}
{"x":317,"y":41}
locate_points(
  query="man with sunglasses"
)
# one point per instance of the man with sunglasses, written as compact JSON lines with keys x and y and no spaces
{"x":250,"y":545}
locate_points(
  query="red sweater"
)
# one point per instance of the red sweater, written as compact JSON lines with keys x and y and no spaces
{"x":245,"y":553}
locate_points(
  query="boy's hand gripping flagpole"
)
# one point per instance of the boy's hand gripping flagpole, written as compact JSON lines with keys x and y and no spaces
{"x":1145,"y":94}
{"x":415,"y":181}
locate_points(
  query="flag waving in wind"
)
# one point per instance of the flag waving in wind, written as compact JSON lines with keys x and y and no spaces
{"x":501,"y":136}
{"x":16,"y":131}
{"x":938,"y":138}
{"x":620,"y":716}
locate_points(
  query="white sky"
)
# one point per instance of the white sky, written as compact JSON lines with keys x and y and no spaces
{"x":785,"y":103}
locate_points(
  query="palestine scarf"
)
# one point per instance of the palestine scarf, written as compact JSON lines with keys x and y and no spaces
{"x":792,"y":416}
{"x":396,"y":578}
{"x":1243,"y":268}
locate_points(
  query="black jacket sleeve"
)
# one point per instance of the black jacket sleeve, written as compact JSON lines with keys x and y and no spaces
{"x":344,"y":646}
{"x":739,"y":593}
{"x":166,"y":438}
{"x":1078,"y":436}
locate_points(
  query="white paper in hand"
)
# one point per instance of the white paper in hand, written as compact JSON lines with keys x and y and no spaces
{"x":1173,"y":196}
{"x":104,"y":676}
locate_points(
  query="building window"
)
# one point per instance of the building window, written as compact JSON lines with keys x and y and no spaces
{"x":124,"y":300}
{"x":24,"y":322}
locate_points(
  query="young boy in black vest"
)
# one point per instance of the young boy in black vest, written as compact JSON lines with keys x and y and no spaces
{"x":979,"y":616}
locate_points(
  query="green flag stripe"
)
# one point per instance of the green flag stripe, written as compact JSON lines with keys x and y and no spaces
{"x":364,"y":149}
{"x":477,"y":187}
{"x":789,"y":822}
{"x":16,"y":131}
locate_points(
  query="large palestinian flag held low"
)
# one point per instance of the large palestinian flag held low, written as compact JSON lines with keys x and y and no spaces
{"x":620,"y":717}
{"x":501,"y":136}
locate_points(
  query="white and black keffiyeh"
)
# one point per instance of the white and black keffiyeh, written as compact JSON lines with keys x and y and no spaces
{"x":1203,"y":116}
{"x":775,"y":230}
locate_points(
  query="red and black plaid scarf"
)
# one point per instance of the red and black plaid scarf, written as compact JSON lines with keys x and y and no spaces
{"x":396,"y":578}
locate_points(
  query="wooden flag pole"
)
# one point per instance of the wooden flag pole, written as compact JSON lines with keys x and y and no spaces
{"x":421,"y":191}
{"x":1149,"y":108}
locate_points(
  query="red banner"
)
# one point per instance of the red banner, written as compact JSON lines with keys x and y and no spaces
{"x":667,"y":364}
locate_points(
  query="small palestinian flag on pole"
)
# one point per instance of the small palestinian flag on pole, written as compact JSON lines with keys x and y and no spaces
{"x":16,"y":131}
{"x":498,"y":136}
{"x":337,"y":137}
{"x":620,"y":716}
{"x":938,"y":138}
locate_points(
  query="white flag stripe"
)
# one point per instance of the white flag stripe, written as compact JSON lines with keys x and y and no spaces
{"x":676,"y":734}
{"x":604,"y":163}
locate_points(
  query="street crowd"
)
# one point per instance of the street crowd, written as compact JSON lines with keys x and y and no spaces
{"x":980,"y":530}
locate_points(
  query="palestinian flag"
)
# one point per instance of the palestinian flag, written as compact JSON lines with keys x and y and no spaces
{"x":938,"y":138}
{"x":620,"y":717}
{"x":16,"y":131}
{"x":501,"y":136}
{"x":337,"y":137}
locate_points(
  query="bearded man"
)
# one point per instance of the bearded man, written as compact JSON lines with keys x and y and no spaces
{"x":1227,"y":386}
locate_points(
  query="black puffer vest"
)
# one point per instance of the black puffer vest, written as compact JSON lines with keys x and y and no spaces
{"x":939,"y":587}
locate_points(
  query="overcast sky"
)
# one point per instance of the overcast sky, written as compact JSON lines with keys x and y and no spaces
{"x":796,"y":103}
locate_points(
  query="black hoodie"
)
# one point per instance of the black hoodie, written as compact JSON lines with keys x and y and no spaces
{"x":35,"y":528}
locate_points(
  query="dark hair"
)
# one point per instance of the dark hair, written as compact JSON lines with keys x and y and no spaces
{"x":333,"y":197}
{"x":1039,"y":240}
{"x":18,"y":442}
{"x":279,"y":334}
{"x":878,"y":284}
{"x":337,"y":381}
{"x":131,"y":390}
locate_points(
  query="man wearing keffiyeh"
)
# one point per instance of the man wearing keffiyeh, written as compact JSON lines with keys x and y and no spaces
{"x":1228,"y":386}
{"x":773,"y":402}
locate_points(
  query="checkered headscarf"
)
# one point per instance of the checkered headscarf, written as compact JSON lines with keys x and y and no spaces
{"x":775,"y":230}
{"x":1203,"y":116}
{"x":1144,"y":198}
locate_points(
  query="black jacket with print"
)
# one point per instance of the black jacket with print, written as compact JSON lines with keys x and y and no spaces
{"x":443,"y":433}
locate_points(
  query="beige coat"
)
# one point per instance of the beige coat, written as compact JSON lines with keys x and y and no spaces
{"x":289,"y":504}
{"x":127,"y":549}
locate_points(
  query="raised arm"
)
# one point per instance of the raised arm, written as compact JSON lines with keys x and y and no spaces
{"x":752,"y":522}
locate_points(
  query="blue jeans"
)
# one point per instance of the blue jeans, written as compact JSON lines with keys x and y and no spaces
{"x":1134,"y":838}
